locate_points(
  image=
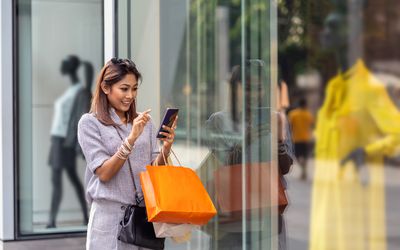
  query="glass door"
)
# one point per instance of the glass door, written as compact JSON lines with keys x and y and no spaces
{"x":214,"y":60}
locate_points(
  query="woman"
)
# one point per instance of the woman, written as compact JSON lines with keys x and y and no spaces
{"x":114,"y":137}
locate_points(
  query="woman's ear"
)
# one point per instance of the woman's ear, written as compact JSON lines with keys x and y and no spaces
{"x":105,"y":88}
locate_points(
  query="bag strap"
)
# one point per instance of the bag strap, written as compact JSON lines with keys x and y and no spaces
{"x":155,"y":163}
{"x":137,"y":198}
{"x":165,"y":160}
{"x":176,"y":157}
{"x":161,"y":152}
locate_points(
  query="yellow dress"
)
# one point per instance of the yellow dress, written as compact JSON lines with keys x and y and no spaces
{"x":357,"y":112}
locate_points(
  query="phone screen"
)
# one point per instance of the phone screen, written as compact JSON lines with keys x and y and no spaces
{"x":168,"y":120}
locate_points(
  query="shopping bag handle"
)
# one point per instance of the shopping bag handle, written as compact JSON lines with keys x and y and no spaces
{"x":165,"y":160}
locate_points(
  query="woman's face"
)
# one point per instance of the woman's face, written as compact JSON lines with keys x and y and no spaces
{"x":122,"y":94}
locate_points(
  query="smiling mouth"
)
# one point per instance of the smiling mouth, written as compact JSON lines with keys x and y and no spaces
{"x":126,"y":103}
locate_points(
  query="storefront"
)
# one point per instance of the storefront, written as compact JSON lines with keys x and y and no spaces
{"x":222,"y":63}
{"x":215,"y":60}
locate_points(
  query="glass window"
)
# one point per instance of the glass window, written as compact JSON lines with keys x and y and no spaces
{"x":340,"y":60}
{"x":60,"y":47}
{"x":212,"y":60}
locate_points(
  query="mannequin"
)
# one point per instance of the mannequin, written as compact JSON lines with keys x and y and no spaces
{"x":69,"y":107}
{"x":354,"y":133}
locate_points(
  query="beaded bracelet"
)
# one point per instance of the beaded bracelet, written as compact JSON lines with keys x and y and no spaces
{"x":124,"y":150}
{"x":126,"y":142}
{"x":121,"y":156}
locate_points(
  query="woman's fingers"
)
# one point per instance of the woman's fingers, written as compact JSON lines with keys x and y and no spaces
{"x":167,"y":140}
{"x":164,"y":139}
{"x":144,"y":116}
{"x":140,"y":124}
{"x":169,"y":132}
{"x":167,"y":135}
{"x":144,"y":119}
{"x":168,"y":129}
{"x":145,"y":112}
{"x":175,"y":123}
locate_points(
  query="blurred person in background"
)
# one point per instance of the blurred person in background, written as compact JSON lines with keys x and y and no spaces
{"x":301,"y":121}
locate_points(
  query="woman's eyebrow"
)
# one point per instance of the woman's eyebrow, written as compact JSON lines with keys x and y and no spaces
{"x":126,"y":85}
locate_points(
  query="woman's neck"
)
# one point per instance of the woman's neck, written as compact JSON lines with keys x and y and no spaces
{"x":121,"y":116}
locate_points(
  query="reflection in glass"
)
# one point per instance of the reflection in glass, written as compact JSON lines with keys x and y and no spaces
{"x":200,"y":49}
{"x":302,"y":122}
{"x":227,"y":149}
{"x":354,"y":131}
{"x":337,"y":56}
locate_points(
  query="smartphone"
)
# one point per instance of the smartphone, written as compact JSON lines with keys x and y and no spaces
{"x":168,"y":120}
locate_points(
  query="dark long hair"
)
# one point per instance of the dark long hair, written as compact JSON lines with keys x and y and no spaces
{"x":112,"y":72}
{"x":89,"y":72}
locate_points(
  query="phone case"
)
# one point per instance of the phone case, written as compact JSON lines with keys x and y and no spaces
{"x":168,"y":120}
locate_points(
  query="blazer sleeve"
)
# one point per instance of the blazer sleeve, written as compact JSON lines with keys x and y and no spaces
{"x":90,"y":140}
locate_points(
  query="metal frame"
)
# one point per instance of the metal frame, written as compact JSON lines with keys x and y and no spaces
{"x":109,"y":29}
{"x":6,"y":128}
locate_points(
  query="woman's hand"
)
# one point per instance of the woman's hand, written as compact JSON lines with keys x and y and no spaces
{"x":169,"y":135}
{"x":138,"y":125}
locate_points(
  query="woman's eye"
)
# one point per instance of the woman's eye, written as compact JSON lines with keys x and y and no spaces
{"x":124,"y":89}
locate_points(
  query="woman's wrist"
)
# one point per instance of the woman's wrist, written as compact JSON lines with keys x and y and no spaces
{"x":125,"y":149}
{"x":131,"y":139}
{"x":166,"y":150}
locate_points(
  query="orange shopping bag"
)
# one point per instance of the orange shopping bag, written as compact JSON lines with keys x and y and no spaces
{"x":175,"y":195}
{"x":262,"y":183}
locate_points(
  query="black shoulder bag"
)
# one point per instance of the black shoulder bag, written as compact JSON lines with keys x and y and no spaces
{"x":135,"y":229}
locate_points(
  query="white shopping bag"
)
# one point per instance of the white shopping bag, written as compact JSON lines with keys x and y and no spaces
{"x":172,"y":230}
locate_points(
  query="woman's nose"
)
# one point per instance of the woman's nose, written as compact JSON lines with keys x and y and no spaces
{"x":129,"y":95}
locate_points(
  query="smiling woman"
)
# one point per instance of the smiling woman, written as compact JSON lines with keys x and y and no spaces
{"x":122,"y":95}
{"x":113,"y":163}
{"x":117,"y":86}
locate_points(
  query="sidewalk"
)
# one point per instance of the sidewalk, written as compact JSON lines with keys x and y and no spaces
{"x":199,"y":241}
{"x":76,"y":243}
